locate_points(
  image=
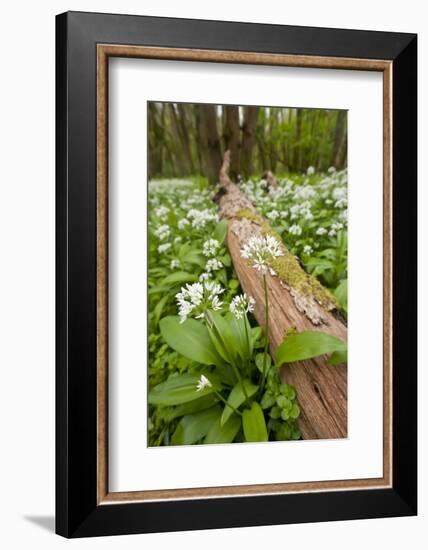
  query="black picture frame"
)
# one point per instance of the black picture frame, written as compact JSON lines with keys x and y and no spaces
{"x":77,"y":511}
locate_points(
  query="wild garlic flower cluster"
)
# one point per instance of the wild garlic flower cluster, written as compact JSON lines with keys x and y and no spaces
{"x":242,"y":304}
{"x":195,"y":299}
{"x":210,"y":248}
{"x":162,"y":232}
{"x":200,"y":218}
{"x":164,"y":247}
{"x":261,"y":251}
{"x":295,"y":229}
{"x":213,"y":265}
{"x":162,"y":212}
{"x":203,"y":383}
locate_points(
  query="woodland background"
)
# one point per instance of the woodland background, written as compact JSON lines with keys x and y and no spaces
{"x":189,"y":139}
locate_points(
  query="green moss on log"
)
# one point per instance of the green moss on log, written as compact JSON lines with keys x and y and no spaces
{"x":288,"y":268}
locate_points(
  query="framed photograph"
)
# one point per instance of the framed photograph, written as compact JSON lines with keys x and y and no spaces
{"x":236,"y":274}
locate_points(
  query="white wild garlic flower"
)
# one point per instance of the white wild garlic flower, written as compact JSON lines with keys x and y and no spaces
{"x":241,"y":305}
{"x":261,"y":251}
{"x":164,"y":247}
{"x":213,"y":265}
{"x":307,"y":249}
{"x":210,"y":247}
{"x":182,"y":223}
{"x":295,"y":230}
{"x":195,"y":299}
{"x":203,"y":383}
{"x":162,"y":232}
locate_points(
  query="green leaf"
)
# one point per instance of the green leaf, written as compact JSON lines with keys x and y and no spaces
{"x":307,"y":344}
{"x":194,"y":427}
{"x":191,"y":339}
{"x":236,"y":398}
{"x":244,"y":346}
{"x":259,"y":362}
{"x":341,"y":294}
{"x":253,"y":422}
{"x":159,"y":307}
{"x":226,"y":260}
{"x":191,"y":407}
{"x":268,"y":400}
{"x":196,"y":258}
{"x":180,"y":389}
{"x":222,"y":335}
{"x":179,"y":277}
{"x":220,"y":231}
{"x":338,"y":358}
{"x":224,"y":433}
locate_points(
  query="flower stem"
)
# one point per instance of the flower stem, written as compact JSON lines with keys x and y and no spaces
{"x":266,"y":333}
{"x":227,"y":403}
{"x":246,"y":335}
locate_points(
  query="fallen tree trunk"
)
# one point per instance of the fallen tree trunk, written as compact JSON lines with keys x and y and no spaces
{"x":296,"y":301}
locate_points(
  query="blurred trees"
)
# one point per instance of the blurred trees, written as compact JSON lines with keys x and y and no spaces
{"x":189,"y":139}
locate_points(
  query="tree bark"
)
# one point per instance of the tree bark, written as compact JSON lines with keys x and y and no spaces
{"x":210,"y":140}
{"x":321,"y":388}
{"x":248,"y":140}
{"x":339,"y":139}
{"x":231,"y":138}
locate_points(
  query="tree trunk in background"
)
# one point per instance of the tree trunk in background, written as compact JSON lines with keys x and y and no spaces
{"x":297,"y":162}
{"x":210,"y":140}
{"x":248,"y":140}
{"x":339,"y":140}
{"x":179,"y":157}
{"x":184,"y":127}
{"x":231,"y":138}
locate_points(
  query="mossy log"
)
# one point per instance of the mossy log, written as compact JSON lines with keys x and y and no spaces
{"x":296,"y":301}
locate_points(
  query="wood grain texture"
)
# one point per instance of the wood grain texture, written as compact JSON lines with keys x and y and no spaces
{"x":321,"y":388}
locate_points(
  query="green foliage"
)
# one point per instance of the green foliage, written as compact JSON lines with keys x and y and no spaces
{"x":206,"y":380}
{"x":191,"y":339}
{"x":236,"y":398}
{"x":224,"y":433}
{"x":307,"y":344}
{"x":194,"y":427}
{"x":180,"y":388}
{"x":254,"y":424}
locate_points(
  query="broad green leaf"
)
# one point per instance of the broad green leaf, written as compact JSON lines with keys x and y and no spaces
{"x":222,"y":336}
{"x":226,"y":260}
{"x":244,"y":344}
{"x":191,"y":407}
{"x":338,"y":358}
{"x":196,"y":258}
{"x":253,"y":422}
{"x":179,"y":277}
{"x":220,"y":231}
{"x":159,"y":307}
{"x":194,"y":427}
{"x":181,"y":389}
{"x":236,"y":398}
{"x":191,"y":339}
{"x":307,"y":344}
{"x":341,"y":294}
{"x":268,"y":400}
{"x":259,"y":362}
{"x":224,"y":433}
